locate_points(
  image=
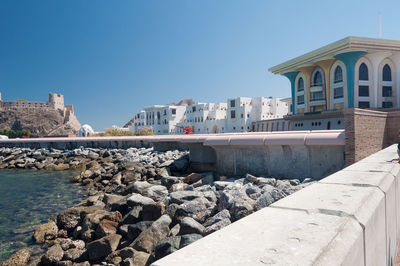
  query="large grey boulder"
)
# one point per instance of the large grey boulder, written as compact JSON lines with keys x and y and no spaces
{"x":196,"y":209}
{"x":235,"y":199}
{"x":216,"y":226}
{"x":53,"y":255}
{"x":148,"y":239}
{"x":102,"y":247}
{"x":265,"y":200}
{"x":167,"y":246}
{"x":136,"y":199}
{"x":134,"y":230}
{"x":180,"y":197}
{"x":134,"y":216}
{"x":189,"y":239}
{"x":189,"y":225}
{"x":224,"y":214}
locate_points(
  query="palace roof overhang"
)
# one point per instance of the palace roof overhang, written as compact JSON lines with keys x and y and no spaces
{"x":348,"y":44}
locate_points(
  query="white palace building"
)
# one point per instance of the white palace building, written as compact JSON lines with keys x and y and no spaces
{"x":352,"y":72}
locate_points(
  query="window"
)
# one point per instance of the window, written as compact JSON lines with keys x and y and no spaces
{"x":234,"y":128}
{"x":387,"y":91}
{"x":363,"y":91}
{"x":387,"y":104}
{"x":363,"y":104}
{"x":165,"y":112}
{"x":173,"y":111}
{"x":193,"y":108}
{"x":317,"y":96}
{"x":317,"y":79}
{"x":242,"y":128}
{"x":201,"y":119}
{"x":248,"y":115}
{"x":241,"y":115}
{"x":300,"y":84}
{"x":233,"y":115}
{"x":232,"y":103}
{"x":338,"y":75}
{"x":300,"y":99}
{"x":262,"y":127}
{"x":338,"y":93}
{"x":387,"y":73}
{"x":363,"y":72}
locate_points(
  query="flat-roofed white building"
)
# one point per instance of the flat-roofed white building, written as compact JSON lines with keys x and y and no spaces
{"x":243,"y":111}
{"x":205,"y":118}
{"x":163,"y":118}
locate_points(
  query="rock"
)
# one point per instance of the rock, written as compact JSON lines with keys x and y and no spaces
{"x":61,"y":167}
{"x":106,"y":227}
{"x":19,"y":258}
{"x":134,"y":216}
{"x":127,"y":252}
{"x":73,"y":254}
{"x":252,"y":179}
{"x":195,"y":209}
{"x":140,"y":187}
{"x":148,"y":239}
{"x":189,"y":239}
{"x":45,"y":232}
{"x":157,"y":192}
{"x":192,"y":178}
{"x":224,"y":214}
{"x":131,"y":176}
{"x":109,"y":199}
{"x":266,"y":181}
{"x":167,"y":246}
{"x":216,"y":226}
{"x":178,"y":187}
{"x":168,"y":181}
{"x":189,"y":225}
{"x":265,"y":200}
{"x":180,"y":165}
{"x":174,"y":230}
{"x":180,"y":197}
{"x":294,"y":182}
{"x":237,"y":202}
{"x":253,"y":192}
{"x":69,"y":218}
{"x":134,"y":230}
{"x":139,"y":200}
{"x":171,"y":209}
{"x":152,"y":212}
{"x":208,"y":179}
{"x":221,"y":185}
{"x":102,"y":247}
{"x":141,"y":258}
{"x":53,"y":255}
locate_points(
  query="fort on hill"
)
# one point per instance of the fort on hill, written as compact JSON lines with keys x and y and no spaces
{"x":51,"y":118}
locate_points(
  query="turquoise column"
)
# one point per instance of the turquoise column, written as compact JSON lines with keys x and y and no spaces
{"x":292,"y":77}
{"x":350,"y":59}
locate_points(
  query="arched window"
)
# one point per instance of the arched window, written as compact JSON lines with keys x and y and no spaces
{"x":387,"y":73}
{"x":317,"y":79}
{"x":300,"y":85}
{"x":338,"y":75}
{"x":363,"y":72}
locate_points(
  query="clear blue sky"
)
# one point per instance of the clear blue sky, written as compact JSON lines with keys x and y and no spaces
{"x":112,"y":58}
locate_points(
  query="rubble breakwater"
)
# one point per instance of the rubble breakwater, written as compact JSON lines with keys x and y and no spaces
{"x":142,"y":204}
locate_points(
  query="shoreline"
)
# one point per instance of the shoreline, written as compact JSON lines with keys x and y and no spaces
{"x":141,"y":204}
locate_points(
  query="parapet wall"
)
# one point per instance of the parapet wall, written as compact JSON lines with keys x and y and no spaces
{"x":349,"y":218}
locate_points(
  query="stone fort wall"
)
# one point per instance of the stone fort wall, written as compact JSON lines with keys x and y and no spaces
{"x":56,"y":101}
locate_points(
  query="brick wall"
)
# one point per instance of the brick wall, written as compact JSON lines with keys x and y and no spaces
{"x":369,"y":131}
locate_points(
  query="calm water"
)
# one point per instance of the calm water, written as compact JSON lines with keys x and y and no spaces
{"x":28,"y":199}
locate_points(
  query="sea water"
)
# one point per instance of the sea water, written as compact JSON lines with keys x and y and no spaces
{"x":29,"y":198}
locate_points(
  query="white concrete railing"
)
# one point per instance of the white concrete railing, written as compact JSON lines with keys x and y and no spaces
{"x":350,"y":218}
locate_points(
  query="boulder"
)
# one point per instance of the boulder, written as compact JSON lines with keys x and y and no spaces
{"x":192,"y":178}
{"x":149,"y":238}
{"x":265,"y":200}
{"x":224,"y":214}
{"x":106,"y":227}
{"x":45,"y":232}
{"x":189,"y":225}
{"x":69,"y":218}
{"x":189,"y":239}
{"x":235,"y":200}
{"x":208,"y":179}
{"x":216,"y":226}
{"x":157,"y":192}
{"x":139,"y":200}
{"x":196,"y":209}
{"x":19,"y":258}
{"x":73,"y":254}
{"x":178,"y":187}
{"x":53,"y":255}
{"x":134,"y":216}
{"x":134,"y":230}
{"x":102,"y":247}
{"x":152,"y":212}
{"x":61,"y":167}
{"x":180,"y":197}
{"x":168,"y":181}
{"x":167,"y":246}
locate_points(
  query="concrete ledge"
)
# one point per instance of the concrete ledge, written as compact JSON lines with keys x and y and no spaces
{"x":348,"y":218}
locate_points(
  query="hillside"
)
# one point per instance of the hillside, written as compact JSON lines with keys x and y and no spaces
{"x":40,"y":122}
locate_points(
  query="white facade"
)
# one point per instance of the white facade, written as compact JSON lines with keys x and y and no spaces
{"x":237,"y":115}
{"x":243,"y":111}
{"x":205,"y":118}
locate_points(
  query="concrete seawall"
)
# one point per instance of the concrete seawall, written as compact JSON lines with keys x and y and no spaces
{"x":291,"y":154}
{"x":350,"y":218}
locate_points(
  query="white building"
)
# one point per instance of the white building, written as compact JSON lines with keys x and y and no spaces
{"x":243,"y":111}
{"x":205,"y":118}
{"x":162,"y":118}
{"x":139,"y":121}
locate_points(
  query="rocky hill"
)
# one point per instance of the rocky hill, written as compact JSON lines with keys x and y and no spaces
{"x":40,"y":122}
